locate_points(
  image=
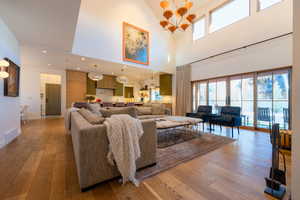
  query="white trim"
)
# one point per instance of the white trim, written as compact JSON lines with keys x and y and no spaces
{"x":9,"y":136}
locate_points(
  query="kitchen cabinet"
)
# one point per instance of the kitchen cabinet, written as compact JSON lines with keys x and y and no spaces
{"x":76,"y":87}
{"x":165,"y":84}
{"x":91,"y":86}
{"x":108,"y":82}
{"x":119,"y":91}
{"x":129,"y":92}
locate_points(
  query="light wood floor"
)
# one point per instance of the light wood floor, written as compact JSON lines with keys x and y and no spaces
{"x":39,"y":165}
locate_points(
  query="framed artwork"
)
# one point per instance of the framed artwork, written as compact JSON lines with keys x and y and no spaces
{"x":135,"y":44}
{"x":12,"y":83}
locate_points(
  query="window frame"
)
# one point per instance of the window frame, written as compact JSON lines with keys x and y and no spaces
{"x":203,"y":17}
{"x":259,"y":9}
{"x":223,"y":4}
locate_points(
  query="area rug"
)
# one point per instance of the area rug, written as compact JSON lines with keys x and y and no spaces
{"x":166,"y":138}
{"x":174,"y":155}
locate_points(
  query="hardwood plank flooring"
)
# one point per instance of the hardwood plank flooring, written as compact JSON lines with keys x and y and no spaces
{"x":39,"y":165}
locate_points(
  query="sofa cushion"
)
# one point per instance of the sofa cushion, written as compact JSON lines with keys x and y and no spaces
{"x":158,"y":109}
{"x":144,"y":110}
{"x":95,"y":108}
{"x":91,"y":117}
{"x":117,"y":111}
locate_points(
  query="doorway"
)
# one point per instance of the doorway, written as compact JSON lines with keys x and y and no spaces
{"x":50,"y":95}
{"x":53,"y":99}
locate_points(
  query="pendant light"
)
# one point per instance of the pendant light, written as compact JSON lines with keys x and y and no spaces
{"x":95,"y":76}
{"x":122,"y":79}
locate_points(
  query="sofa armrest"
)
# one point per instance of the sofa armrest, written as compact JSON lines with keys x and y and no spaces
{"x":237,"y":121}
{"x":148,"y":144}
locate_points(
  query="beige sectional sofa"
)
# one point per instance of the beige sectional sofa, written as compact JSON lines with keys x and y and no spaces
{"x":90,"y":145}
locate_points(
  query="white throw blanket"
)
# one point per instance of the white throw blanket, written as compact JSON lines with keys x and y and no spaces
{"x":123,"y":134}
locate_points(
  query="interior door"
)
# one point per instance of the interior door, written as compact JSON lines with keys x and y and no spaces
{"x":53,"y":99}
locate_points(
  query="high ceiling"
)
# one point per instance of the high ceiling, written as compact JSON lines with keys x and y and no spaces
{"x":47,"y":23}
{"x":51,"y":25}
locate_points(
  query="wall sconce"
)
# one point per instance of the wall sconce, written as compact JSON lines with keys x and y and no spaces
{"x":3,"y":65}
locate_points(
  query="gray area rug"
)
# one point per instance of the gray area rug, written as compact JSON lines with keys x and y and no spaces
{"x":174,"y":136}
{"x":176,"y":154}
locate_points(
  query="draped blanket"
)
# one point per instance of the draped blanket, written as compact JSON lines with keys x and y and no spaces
{"x":123,"y":134}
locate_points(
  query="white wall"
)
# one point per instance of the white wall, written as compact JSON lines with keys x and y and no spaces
{"x":273,"y":54}
{"x":296,"y":105}
{"x":9,"y":106}
{"x":99,"y":32}
{"x":268,"y":23}
{"x":31,"y":88}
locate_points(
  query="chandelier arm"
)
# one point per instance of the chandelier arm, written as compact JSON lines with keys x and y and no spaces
{"x":180,"y":21}
{"x":171,"y":23}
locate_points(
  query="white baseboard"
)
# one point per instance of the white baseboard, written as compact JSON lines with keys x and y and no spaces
{"x":9,"y":136}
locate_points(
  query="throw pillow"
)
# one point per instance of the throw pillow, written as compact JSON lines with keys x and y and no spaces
{"x":143,"y":110}
{"x":95,"y":108}
{"x":158,"y":109}
{"x":118,"y":111}
{"x":91,"y":117}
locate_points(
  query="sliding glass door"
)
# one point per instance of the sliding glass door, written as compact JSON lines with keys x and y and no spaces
{"x":199,"y":94}
{"x":264,"y":86}
{"x":242,"y":95}
{"x":264,"y":97}
{"x":273,"y":99}
{"x":217,"y":91}
{"x":281,"y":87}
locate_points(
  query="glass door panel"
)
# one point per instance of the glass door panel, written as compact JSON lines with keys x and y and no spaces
{"x":248,"y":100}
{"x":241,"y":95}
{"x":217,"y":94}
{"x":221,"y":93}
{"x":264,"y":100}
{"x":212,"y":91}
{"x":281,"y":99}
{"x":202,"y":94}
{"x":236,"y":92}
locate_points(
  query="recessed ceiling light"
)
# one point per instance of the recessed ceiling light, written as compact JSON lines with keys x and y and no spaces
{"x":82,"y":58}
{"x":44,"y":51}
{"x":49,"y":64}
{"x":78,"y":68}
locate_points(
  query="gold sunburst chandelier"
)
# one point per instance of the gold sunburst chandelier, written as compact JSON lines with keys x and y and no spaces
{"x":177,"y":14}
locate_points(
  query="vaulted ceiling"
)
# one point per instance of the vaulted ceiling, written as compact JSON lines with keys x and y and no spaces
{"x":52,"y":25}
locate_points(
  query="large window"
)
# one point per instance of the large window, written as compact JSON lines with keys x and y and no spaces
{"x":199,"y":29}
{"x":267,"y":3}
{"x":229,"y":13}
{"x":262,"y":96}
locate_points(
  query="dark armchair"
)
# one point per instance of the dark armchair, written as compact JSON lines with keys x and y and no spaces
{"x":203,"y":112}
{"x":230,"y":116}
